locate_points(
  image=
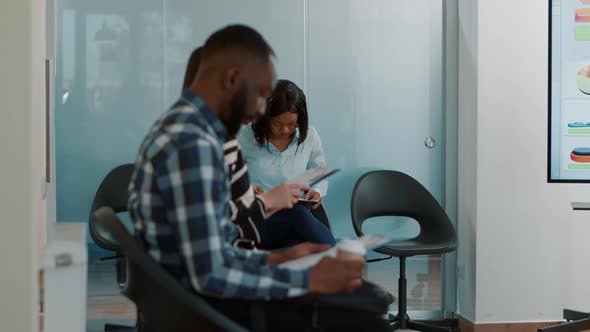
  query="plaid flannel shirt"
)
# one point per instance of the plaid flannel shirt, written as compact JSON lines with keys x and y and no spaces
{"x":179,"y":204}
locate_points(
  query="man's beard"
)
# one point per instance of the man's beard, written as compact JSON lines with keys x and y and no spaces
{"x":238,"y":111}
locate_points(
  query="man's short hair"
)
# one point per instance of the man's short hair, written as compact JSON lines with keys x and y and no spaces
{"x":240,"y":38}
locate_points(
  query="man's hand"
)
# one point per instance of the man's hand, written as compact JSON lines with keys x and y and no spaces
{"x":257,"y":189}
{"x":332,"y":275}
{"x":314,"y":196}
{"x":283,"y":196}
{"x":300,"y":250}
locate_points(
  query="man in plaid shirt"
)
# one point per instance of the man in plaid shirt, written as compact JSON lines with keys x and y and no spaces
{"x":180,"y":190}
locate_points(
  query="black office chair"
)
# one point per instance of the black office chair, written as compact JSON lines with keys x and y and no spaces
{"x":112,"y":192}
{"x":163,"y":303}
{"x":392,"y":193}
{"x":575,"y":321}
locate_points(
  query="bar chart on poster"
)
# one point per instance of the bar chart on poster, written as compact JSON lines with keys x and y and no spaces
{"x":569,"y":91}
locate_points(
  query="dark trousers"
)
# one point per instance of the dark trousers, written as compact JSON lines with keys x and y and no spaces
{"x":292,"y":226}
{"x":361,"y":310}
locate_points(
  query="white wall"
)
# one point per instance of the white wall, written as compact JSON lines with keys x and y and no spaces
{"x":531,"y":249}
{"x":22,"y":103}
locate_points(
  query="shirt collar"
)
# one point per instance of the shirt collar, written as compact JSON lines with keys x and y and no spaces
{"x":296,"y":134}
{"x":295,"y":139}
{"x":199,"y":105}
{"x":293,"y":142}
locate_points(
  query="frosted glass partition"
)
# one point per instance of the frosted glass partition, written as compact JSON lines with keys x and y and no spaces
{"x":375,"y":93}
{"x":375,"y":83}
{"x":189,"y":22}
{"x":121,"y":63}
{"x":372,"y":71}
{"x":109,"y":89}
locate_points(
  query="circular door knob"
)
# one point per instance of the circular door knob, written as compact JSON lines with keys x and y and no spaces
{"x":430,"y":142}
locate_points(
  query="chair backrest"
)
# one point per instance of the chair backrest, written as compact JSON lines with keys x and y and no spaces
{"x":393,"y":193}
{"x":163,"y":303}
{"x":112,"y":192}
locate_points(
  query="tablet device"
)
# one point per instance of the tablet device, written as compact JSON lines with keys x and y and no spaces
{"x":314,"y":175}
{"x":307,"y":202}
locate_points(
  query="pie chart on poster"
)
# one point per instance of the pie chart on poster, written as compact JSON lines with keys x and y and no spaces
{"x":583,"y":80}
{"x":580,"y":155}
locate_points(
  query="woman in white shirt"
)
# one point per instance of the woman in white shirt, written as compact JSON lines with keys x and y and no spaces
{"x":277,"y":147}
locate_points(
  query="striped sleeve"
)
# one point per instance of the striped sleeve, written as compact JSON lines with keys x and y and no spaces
{"x":247,"y":209}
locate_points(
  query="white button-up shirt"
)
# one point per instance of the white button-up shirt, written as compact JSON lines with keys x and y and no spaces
{"x":268,"y":167}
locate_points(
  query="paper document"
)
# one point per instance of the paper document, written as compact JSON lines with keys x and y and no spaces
{"x":370,"y":241}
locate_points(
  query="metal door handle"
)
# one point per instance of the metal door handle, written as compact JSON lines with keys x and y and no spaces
{"x":430,"y":142}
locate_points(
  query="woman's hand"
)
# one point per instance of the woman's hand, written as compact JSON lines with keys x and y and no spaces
{"x":257,"y":189}
{"x":314,"y":196}
{"x":283,"y":196}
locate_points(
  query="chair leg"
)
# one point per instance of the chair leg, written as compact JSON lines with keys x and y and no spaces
{"x":569,"y":315}
{"x":118,"y":328}
{"x":571,"y":326}
{"x":402,"y":313}
{"x":121,"y":272}
{"x":402,"y":320}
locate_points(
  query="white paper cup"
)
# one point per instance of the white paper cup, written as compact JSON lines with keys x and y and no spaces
{"x":350,"y":250}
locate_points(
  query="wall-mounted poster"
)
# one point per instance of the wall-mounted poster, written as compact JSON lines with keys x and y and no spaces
{"x":569,"y":91}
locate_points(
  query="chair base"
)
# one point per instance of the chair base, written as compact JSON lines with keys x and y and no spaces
{"x":118,"y":328}
{"x":575,"y":321}
{"x":448,"y":325}
{"x":403,"y":321}
{"x":121,"y":268}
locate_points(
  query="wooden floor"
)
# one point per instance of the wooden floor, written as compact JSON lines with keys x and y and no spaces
{"x":104,"y":299}
{"x":105,"y":304}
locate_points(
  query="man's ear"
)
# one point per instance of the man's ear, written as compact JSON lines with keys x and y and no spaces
{"x":231,"y":78}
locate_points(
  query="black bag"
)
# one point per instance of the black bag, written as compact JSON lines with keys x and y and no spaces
{"x":369,"y":297}
{"x":360,"y":310}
